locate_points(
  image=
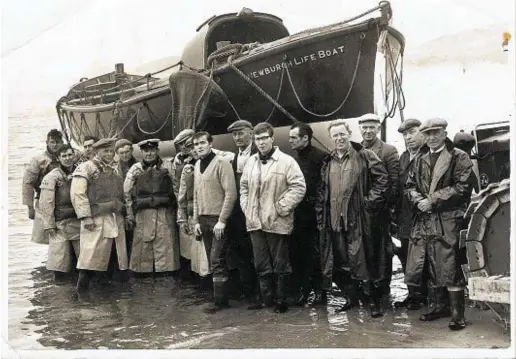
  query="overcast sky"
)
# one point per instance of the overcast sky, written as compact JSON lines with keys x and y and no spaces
{"x":49,"y":44}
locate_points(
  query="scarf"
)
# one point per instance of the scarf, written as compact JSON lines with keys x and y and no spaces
{"x":264,"y":158}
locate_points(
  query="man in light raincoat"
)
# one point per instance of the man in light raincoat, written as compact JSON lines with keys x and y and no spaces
{"x":40,"y":165}
{"x":59,"y":219}
{"x":97,"y":195}
{"x":150,"y":205}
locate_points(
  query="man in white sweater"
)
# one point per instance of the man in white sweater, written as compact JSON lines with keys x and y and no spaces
{"x":213,"y":201}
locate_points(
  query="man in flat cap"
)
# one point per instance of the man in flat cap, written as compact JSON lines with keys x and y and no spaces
{"x":97,"y":195}
{"x":439,"y":187}
{"x":124,"y":154}
{"x":39,"y":165}
{"x":369,"y":128}
{"x":59,"y":218}
{"x":349,"y":198}
{"x":240,"y":247}
{"x":214,"y":198}
{"x":414,"y":140}
{"x":184,"y":148}
{"x":151,"y":210}
{"x":304,"y":249}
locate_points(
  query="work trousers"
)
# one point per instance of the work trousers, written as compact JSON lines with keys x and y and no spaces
{"x":216,"y":249}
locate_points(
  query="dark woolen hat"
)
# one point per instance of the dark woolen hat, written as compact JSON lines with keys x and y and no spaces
{"x":407,"y":124}
{"x":433,"y":124}
{"x":104,"y":143}
{"x":240,"y":125}
{"x":464,"y":140}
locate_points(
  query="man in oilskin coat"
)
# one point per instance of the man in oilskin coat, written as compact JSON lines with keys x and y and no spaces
{"x":439,"y":187}
{"x":369,"y":128}
{"x":350,"y":198}
{"x":414,"y":140}
{"x":59,"y":219}
{"x":39,"y":166}
{"x":97,"y":194}
{"x":151,"y":211}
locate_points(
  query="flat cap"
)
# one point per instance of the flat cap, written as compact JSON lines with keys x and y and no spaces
{"x":368,"y":117}
{"x":103,"y":143}
{"x":240,"y":125}
{"x":407,"y":124}
{"x":150,"y":143}
{"x":183,"y":136}
{"x":433,"y":124}
{"x":121,"y":143}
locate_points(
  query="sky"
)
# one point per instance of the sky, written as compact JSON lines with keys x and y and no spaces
{"x":49,"y":45}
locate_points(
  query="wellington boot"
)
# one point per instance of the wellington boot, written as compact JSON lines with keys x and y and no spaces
{"x":83,"y":282}
{"x":220,"y":298}
{"x":321,"y":297}
{"x":457,"y":304}
{"x":439,"y":306}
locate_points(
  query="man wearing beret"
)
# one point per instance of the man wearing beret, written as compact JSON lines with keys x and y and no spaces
{"x":414,"y":140}
{"x":97,"y":194}
{"x":369,"y":128}
{"x":124,"y":153}
{"x":150,"y":206}
{"x":439,"y":187}
{"x":40,"y":165}
{"x":240,"y":246}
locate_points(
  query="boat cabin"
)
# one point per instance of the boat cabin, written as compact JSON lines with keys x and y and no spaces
{"x":235,"y":28}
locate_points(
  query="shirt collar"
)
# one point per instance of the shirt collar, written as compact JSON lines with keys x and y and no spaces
{"x":438,"y":150}
{"x":246,"y":151}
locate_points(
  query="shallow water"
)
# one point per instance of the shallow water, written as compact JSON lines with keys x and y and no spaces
{"x":165,"y":315}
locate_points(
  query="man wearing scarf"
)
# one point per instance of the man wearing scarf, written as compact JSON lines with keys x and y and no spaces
{"x":59,"y":219}
{"x":150,"y":205}
{"x":40,"y":165}
{"x":97,"y":194}
{"x":271,"y":187}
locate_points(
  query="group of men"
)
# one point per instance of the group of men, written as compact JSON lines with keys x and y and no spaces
{"x":259,"y":222}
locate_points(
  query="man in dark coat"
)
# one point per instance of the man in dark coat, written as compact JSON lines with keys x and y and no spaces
{"x":439,"y":187}
{"x":350,"y":198}
{"x":240,"y":246}
{"x":414,"y":140}
{"x":304,"y":251}
{"x":369,"y":128}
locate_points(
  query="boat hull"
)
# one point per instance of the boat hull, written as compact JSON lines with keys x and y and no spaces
{"x":315,"y":77}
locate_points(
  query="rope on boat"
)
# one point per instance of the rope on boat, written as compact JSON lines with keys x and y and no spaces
{"x":398,"y":94}
{"x":268,"y":97}
{"x":126,"y":124}
{"x":382,"y":6}
{"x":153,"y":116}
{"x":362,"y":37}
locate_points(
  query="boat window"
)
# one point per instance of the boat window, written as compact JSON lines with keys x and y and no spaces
{"x":244,"y":32}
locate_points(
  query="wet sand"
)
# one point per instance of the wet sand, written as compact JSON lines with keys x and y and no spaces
{"x":164,"y":314}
